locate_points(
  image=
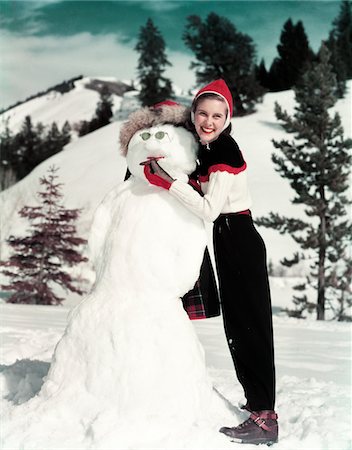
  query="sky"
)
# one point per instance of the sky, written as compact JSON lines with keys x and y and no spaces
{"x":43,"y":43}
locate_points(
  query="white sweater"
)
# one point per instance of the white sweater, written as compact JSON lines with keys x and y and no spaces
{"x":223,"y":180}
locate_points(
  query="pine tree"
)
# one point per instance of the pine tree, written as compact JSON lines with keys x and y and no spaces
{"x":27,"y":143}
{"x":102,"y":115}
{"x":84,"y":128}
{"x":338,"y":65}
{"x":262,"y":75}
{"x":41,"y":259}
{"x":317,"y":165}
{"x":340,"y":45}
{"x":103,"y":112}
{"x":65,"y":137}
{"x":152,"y":64}
{"x":33,"y":144}
{"x":223,"y":52}
{"x":339,"y":288}
{"x":342,"y":31}
{"x":294,"y":53}
{"x":51,"y":144}
{"x":8,"y":159}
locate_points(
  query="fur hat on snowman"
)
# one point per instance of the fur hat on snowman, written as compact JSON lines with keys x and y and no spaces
{"x":159,"y":133}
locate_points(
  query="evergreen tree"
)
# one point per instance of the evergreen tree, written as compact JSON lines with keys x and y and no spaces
{"x":340,"y":46}
{"x":223,"y":52}
{"x":84,"y":128}
{"x":339,"y":288}
{"x":338,"y":66}
{"x":103,"y":112}
{"x":27,"y":143}
{"x":152,"y":64}
{"x":65,"y":137}
{"x":317,"y":165}
{"x":294,"y":54}
{"x":102,"y":115}
{"x":8,"y":159}
{"x":41,"y":258}
{"x":51,"y":144}
{"x":342,"y":32}
{"x":262,"y":75}
{"x":22,"y":152}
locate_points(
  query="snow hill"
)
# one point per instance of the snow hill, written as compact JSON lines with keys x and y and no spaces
{"x":76,"y":105}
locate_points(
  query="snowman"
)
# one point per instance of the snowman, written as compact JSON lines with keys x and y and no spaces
{"x":130,"y":356}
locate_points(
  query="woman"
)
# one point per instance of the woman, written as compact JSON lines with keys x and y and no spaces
{"x":240,"y":257}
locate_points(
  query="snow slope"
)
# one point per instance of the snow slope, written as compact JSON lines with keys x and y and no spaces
{"x":313,"y":362}
{"x":74,"y":106}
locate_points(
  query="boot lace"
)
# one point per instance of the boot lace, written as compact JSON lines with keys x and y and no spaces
{"x":244,"y":424}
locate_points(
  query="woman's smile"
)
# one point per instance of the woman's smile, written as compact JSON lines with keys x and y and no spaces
{"x":209,"y":119}
{"x":207,"y":130}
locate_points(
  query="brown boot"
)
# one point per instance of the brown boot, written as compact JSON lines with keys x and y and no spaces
{"x":260,"y":428}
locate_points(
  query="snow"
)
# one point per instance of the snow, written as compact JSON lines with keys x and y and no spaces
{"x":313,"y":359}
{"x":74,"y":106}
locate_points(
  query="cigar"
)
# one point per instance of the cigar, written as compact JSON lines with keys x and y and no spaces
{"x":150,"y":159}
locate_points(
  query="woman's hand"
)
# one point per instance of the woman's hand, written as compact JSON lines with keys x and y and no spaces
{"x":156,"y":175}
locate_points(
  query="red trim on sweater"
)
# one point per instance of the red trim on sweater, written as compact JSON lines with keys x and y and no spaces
{"x":222,"y":168}
{"x":195,"y":185}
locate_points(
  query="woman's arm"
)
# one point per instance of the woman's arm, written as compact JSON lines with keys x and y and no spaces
{"x":210,"y":206}
{"x":225,"y":167}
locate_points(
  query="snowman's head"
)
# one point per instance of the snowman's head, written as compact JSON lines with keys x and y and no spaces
{"x":158,"y":133}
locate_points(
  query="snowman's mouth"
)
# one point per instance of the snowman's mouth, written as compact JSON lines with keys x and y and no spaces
{"x":150,"y":159}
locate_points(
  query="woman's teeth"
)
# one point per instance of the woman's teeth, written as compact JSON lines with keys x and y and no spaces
{"x":207,"y":130}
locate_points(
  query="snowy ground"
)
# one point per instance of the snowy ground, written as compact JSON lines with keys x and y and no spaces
{"x":313,"y":361}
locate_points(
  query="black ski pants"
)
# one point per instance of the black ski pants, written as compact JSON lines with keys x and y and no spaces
{"x":240,"y":256}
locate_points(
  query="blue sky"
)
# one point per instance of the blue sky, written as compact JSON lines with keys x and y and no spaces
{"x":44,"y":42}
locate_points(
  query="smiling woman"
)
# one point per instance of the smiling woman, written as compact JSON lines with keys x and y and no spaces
{"x":211,"y":117}
{"x":240,"y":256}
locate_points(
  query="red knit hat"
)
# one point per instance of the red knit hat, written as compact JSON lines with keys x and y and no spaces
{"x":165,"y":103}
{"x":218,"y":87}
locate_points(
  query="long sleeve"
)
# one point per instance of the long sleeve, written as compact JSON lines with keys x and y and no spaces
{"x":210,"y":206}
{"x":223,"y":178}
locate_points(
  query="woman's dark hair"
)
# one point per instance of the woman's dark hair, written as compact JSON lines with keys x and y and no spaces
{"x":210,"y":95}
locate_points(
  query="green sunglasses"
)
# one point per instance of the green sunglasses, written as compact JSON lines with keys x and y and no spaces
{"x":159,"y":135}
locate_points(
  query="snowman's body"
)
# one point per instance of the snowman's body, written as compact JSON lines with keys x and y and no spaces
{"x":148,"y":254}
{"x":130,"y":356}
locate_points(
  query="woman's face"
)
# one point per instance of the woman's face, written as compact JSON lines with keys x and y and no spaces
{"x":209,"y":119}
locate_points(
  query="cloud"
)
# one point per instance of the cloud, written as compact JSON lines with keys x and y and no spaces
{"x":24,"y":16}
{"x":161,"y":6}
{"x":31,"y":64}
